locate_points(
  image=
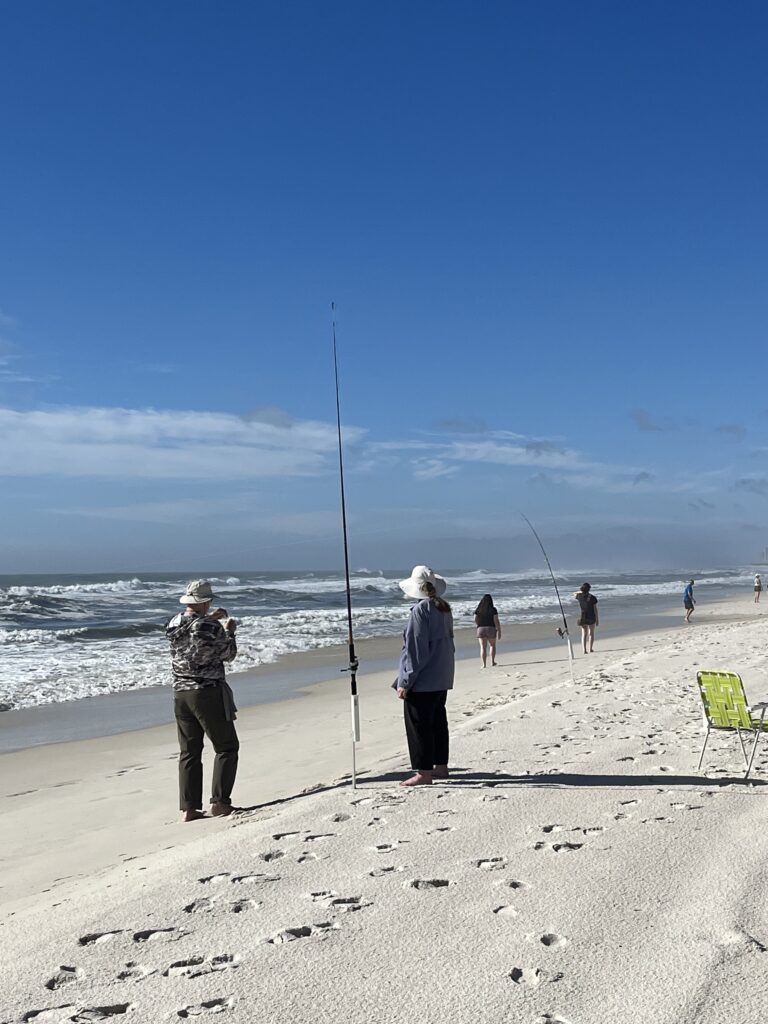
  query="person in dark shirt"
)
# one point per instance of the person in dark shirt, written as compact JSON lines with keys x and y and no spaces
{"x":589,"y":618}
{"x":688,"y":602}
{"x":488,"y":628}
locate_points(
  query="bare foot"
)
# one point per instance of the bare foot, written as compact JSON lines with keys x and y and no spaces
{"x":192,"y":815}
{"x":220,"y":810}
{"x":419,"y":779}
{"x":440,"y":771}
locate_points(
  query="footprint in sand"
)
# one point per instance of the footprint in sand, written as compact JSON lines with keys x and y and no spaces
{"x":552,"y":1018}
{"x":491,"y":863}
{"x":207,"y":1006}
{"x":528,"y":977}
{"x":347,"y":904}
{"x":158,"y":935}
{"x":319,"y":838}
{"x":505,"y":911}
{"x":441,"y":830}
{"x":552,"y":828}
{"x":199,"y":906}
{"x":279,"y":836}
{"x":135,"y":972}
{"x":301,"y":932}
{"x":321,"y":895}
{"x":378,"y":872}
{"x":223,"y":876}
{"x":271,"y":855}
{"x":64,"y":976}
{"x":100,"y":1013}
{"x":197,"y":966}
{"x":428,"y":883}
{"x":552,"y":940}
{"x":98,"y":938}
{"x":257,"y":879}
{"x":336,"y":818}
{"x":51,"y":1015}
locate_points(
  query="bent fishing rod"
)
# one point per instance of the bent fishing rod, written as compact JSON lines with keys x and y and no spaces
{"x":563,"y":630}
{"x":353,"y":662}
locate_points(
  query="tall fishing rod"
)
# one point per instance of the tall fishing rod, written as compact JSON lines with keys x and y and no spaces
{"x":353,"y":662}
{"x":563,"y":630}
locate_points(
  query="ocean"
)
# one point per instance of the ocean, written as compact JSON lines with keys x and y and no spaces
{"x":65,"y":637}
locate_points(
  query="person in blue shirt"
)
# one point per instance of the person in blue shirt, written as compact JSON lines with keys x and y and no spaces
{"x":425,"y":675}
{"x":688,"y":602}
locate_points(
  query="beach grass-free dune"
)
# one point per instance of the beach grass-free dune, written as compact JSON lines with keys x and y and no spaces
{"x":576,"y":867}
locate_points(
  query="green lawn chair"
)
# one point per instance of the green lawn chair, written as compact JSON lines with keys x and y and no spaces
{"x":725,"y":707}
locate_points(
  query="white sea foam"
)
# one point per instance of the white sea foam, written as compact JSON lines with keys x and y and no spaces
{"x":64,"y":639}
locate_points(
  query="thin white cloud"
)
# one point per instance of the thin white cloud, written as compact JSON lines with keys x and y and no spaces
{"x":430,"y":469}
{"x":161,"y":444}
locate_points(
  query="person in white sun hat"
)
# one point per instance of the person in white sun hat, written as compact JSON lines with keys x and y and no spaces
{"x":426,"y":675}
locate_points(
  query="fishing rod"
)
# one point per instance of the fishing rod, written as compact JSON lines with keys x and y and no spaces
{"x":562,"y":630}
{"x":353,"y":662}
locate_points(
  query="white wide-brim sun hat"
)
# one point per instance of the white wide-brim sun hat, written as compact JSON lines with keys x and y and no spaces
{"x":415,"y":585}
{"x":198,"y":592}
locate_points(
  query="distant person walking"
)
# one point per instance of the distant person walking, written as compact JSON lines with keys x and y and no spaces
{"x":425,"y":675}
{"x":758,"y":587}
{"x":203,"y":702}
{"x":488,"y":628}
{"x":688,"y":602}
{"x":589,"y":617}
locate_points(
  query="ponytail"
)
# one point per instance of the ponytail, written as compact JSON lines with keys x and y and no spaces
{"x":438,"y":602}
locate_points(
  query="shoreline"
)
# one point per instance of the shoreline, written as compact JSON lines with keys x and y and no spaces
{"x":294,"y":675}
{"x":103,"y":801}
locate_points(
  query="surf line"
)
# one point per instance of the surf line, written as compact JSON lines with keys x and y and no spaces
{"x":562,"y":630}
{"x":353,"y":665}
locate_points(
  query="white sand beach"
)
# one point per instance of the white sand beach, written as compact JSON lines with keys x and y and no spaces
{"x":576,"y":867}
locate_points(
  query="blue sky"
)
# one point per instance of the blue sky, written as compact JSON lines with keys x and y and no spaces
{"x":544,"y":228}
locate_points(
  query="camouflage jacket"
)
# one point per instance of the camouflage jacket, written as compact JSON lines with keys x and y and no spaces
{"x":199,"y":647}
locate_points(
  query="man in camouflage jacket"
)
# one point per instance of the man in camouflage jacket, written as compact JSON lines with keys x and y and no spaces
{"x":203,"y":703}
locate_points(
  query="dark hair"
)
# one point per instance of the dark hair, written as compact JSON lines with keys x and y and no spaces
{"x":486,"y":605}
{"x":438,"y":602}
{"x":585,"y":588}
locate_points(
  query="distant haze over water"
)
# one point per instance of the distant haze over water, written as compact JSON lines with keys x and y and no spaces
{"x":64,"y":637}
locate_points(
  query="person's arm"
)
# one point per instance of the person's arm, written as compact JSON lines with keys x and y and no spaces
{"x":497,"y":624}
{"x":212,"y":642}
{"x":476,"y":618}
{"x":415,"y":650}
{"x":597,"y":614}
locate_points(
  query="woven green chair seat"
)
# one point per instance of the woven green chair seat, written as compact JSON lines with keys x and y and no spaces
{"x":725,"y":703}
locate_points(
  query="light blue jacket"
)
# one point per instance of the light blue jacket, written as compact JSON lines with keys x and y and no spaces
{"x":427,"y":658}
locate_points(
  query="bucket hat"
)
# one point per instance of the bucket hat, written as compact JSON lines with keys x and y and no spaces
{"x":415,"y":585}
{"x":197,"y":592}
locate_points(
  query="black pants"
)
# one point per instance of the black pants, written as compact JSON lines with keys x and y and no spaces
{"x":426,"y":727}
{"x":201,"y":713}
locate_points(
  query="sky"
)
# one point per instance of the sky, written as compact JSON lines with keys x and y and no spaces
{"x":543,"y":226}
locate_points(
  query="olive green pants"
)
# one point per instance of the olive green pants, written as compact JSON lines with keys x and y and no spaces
{"x":200,"y":713}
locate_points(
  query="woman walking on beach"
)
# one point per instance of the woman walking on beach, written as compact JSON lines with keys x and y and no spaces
{"x":589,"y":617}
{"x":688,"y":602}
{"x":758,"y":587}
{"x":426,"y":675}
{"x":488,"y":628}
